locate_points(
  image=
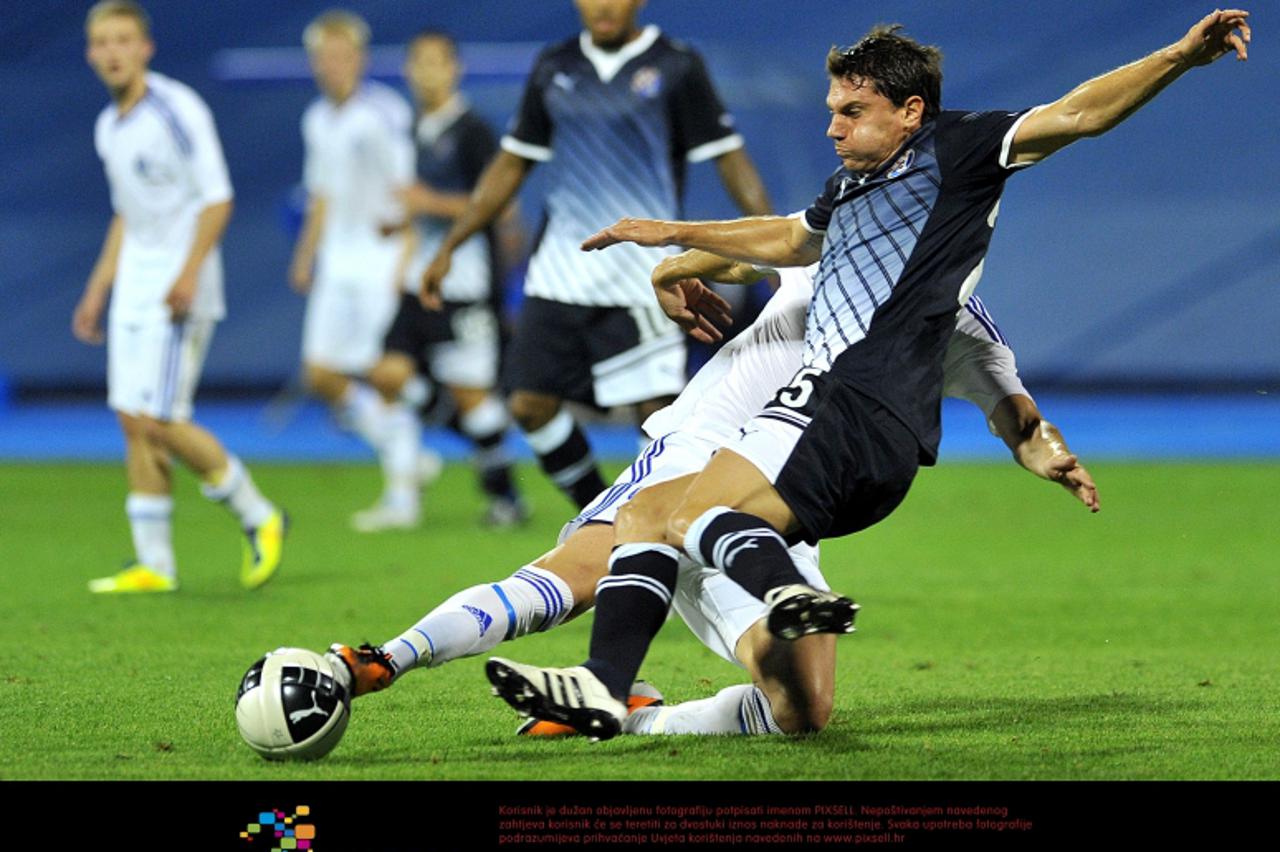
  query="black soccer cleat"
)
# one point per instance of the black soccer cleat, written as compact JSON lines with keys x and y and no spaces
{"x":800,"y":610}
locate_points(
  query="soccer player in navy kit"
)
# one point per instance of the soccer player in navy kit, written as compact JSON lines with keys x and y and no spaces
{"x":617,"y":112}
{"x":900,"y":233}
{"x":457,"y":346}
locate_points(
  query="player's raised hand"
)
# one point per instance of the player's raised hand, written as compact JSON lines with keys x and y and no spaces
{"x":433,"y":279}
{"x":694,"y":307}
{"x":86,"y":321}
{"x":642,"y":232}
{"x":1216,"y":34}
{"x":1071,"y":475}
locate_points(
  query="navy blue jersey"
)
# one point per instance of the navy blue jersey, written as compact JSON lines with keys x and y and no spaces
{"x":903,"y":251}
{"x":453,"y":144}
{"x":616,"y":128}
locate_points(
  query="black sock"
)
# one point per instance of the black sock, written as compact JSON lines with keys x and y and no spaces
{"x":572,"y":467}
{"x":631,"y":605}
{"x":745,"y":548}
{"x":493,"y":466}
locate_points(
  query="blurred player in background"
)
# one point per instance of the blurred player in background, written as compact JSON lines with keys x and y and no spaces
{"x":618,"y":112}
{"x":359,"y":156}
{"x":457,"y":346}
{"x":792,"y":682}
{"x":161,"y":264}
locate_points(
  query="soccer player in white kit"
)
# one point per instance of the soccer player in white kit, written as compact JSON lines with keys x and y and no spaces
{"x":160,"y":263}
{"x":724,"y":393}
{"x":359,"y":157}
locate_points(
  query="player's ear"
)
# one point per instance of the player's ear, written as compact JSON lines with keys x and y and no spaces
{"x":913,"y":113}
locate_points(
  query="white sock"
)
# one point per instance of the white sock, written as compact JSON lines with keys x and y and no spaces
{"x":362,"y":411}
{"x":402,"y":433}
{"x":477,"y":619}
{"x":150,"y":518}
{"x":487,"y":418}
{"x":741,"y":709}
{"x":416,"y":392}
{"x":242,"y":498}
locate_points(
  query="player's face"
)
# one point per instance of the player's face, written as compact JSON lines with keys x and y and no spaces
{"x":337,"y":63}
{"x":612,"y":23}
{"x":118,"y":51}
{"x":432,"y":70}
{"x":865,"y":125}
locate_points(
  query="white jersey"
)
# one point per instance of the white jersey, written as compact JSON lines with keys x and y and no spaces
{"x":358,"y":155}
{"x":164,"y":165}
{"x":743,"y":376}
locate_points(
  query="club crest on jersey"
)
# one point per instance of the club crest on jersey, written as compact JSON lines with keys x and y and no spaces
{"x":152,"y":172}
{"x":647,"y":82}
{"x":904,"y":163}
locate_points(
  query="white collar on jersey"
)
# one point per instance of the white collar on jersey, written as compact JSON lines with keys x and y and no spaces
{"x":609,"y":62}
{"x":432,"y":125}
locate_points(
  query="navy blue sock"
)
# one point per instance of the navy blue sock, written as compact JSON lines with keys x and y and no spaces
{"x":631,"y":606}
{"x":744,"y":547}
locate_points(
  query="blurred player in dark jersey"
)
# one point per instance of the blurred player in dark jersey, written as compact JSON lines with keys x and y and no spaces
{"x":457,"y":346}
{"x":616,"y":112}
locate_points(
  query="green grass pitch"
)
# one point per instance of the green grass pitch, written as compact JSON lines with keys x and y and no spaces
{"x":1005,"y":634}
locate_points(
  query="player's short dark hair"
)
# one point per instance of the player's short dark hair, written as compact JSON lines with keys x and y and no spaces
{"x":431,"y":33}
{"x":898,"y":66}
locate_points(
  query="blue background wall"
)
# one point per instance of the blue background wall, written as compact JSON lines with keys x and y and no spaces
{"x":1148,"y":257}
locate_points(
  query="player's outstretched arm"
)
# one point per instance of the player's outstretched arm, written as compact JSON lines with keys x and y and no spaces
{"x":1040,"y":448}
{"x":86,"y":321}
{"x":1095,"y":107}
{"x":760,"y":240}
{"x":498,"y":184}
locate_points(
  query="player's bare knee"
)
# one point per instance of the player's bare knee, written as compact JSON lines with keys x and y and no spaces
{"x":641,"y":520}
{"x":532,"y":411}
{"x":324,"y":383}
{"x":388,"y":377}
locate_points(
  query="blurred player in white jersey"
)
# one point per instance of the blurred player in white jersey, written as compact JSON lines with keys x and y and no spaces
{"x":458,"y":346}
{"x":161,"y":265}
{"x":617,"y":113}
{"x":359,"y":156}
{"x":792,"y":681}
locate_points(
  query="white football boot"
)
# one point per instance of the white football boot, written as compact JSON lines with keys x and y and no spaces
{"x":573,"y":697}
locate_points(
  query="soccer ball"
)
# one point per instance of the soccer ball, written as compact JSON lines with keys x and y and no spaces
{"x":290,"y":706}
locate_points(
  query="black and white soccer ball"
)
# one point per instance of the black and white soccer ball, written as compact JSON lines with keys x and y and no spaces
{"x":291,"y":706}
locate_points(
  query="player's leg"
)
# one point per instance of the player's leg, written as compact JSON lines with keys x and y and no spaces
{"x":552,"y":589}
{"x":466,"y":362}
{"x":335,"y":348}
{"x":792,"y":682}
{"x":483,"y":418}
{"x":224,"y":478}
{"x":136,"y":360}
{"x":149,"y":508}
{"x":400,"y":450}
{"x":547,"y":363}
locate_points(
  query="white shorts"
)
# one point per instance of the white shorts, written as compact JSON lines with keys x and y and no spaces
{"x":345,"y":323}
{"x":154,"y":365}
{"x":715,"y":608}
{"x":719,"y":611}
{"x":666,"y":458}
{"x":470,"y":360}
